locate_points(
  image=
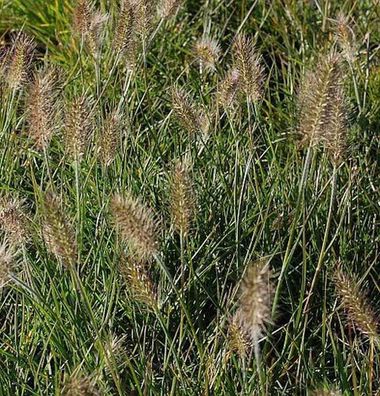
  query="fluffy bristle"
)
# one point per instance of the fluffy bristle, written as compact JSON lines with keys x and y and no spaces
{"x":326,"y":392}
{"x":169,"y":8}
{"x":345,"y":37}
{"x":250,"y":68}
{"x":189,"y":115}
{"x":78,"y":126}
{"x":41,"y":108}
{"x":139,"y":282}
{"x":136,"y":224}
{"x":109,"y":138}
{"x":79,"y":386}
{"x":7,"y":263}
{"x":255,"y":301}
{"x":318,"y":98}
{"x":13,"y":220}
{"x":237,"y":341}
{"x":57,"y":231}
{"x":145,"y":12}
{"x":336,"y":130}
{"x":82,"y":17}
{"x":357,"y":307}
{"x":87,"y":24}
{"x":15,"y":65}
{"x":207,"y":52}
{"x":182,"y":198}
{"x":228,"y":89}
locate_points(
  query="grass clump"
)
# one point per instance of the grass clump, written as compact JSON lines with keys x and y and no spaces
{"x":178,"y":180}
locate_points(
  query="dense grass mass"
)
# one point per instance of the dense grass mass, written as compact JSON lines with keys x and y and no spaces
{"x":189,"y":197}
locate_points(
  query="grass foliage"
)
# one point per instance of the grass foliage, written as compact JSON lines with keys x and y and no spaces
{"x":189,"y":197}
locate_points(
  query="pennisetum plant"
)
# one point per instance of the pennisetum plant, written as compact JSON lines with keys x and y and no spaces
{"x":182,"y":201}
{"x":254,"y":311}
{"x":8,"y":262}
{"x":320,"y":111}
{"x":87,"y":24}
{"x":206,"y":52}
{"x":136,"y":225}
{"x":249,"y":64}
{"x":109,"y":138}
{"x":168,"y":8}
{"x":41,"y":107}
{"x":359,"y":312}
{"x":358,"y":309}
{"x":189,"y":115}
{"x":78,"y":126}
{"x":58,"y":232}
{"x":16,"y":62}
{"x":124,"y":40}
{"x":138,"y":281}
{"x":13,"y":220}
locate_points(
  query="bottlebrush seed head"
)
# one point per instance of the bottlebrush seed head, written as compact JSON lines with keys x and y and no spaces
{"x":41,"y":107}
{"x":17,"y":60}
{"x":169,"y":8}
{"x":7,"y":263}
{"x":207,"y":52}
{"x":78,"y":126}
{"x":138,"y":281}
{"x":319,"y":99}
{"x":228,"y":89}
{"x":255,"y":301}
{"x":57,"y":231}
{"x":79,"y":386}
{"x":249,"y":65}
{"x":358,"y":309}
{"x":13,"y":220}
{"x":82,"y":17}
{"x":182,"y":198}
{"x":109,"y":138}
{"x":136,"y":225}
{"x":188,"y":114}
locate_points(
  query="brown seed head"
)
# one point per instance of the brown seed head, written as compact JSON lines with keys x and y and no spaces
{"x":144,"y":12}
{"x":207,"y":52}
{"x":336,"y":130}
{"x":7,"y":263}
{"x":136,"y":224}
{"x":345,"y":37}
{"x":79,"y":386}
{"x":182,"y":198}
{"x":255,"y":301}
{"x":358,"y":310}
{"x":249,"y":65}
{"x":109,"y":138}
{"x":57,"y":231}
{"x":228,"y":89}
{"x":78,"y":126}
{"x":13,"y":220}
{"x":237,"y":341}
{"x":16,"y":62}
{"x":139,"y":282}
{"x":82,"y":17}
{"x":319,"y":99}
{"x":326,"y":392}
{"x":188,"y":114}
{"x":41,"y":107}
{"x":169,"y":8}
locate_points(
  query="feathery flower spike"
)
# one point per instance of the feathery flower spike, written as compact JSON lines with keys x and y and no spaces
{"x":249,"y":65}
{"x":255,"y":301}
{"x":207,"y":52}
{"x":359,"y":311}
{"x":41,"y":109}
{"x":136,"y":224}
{"x":182,"y":198}
{"x":58,"y":233}
{"x":7,"y":263}
{"x":13,"y":220}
